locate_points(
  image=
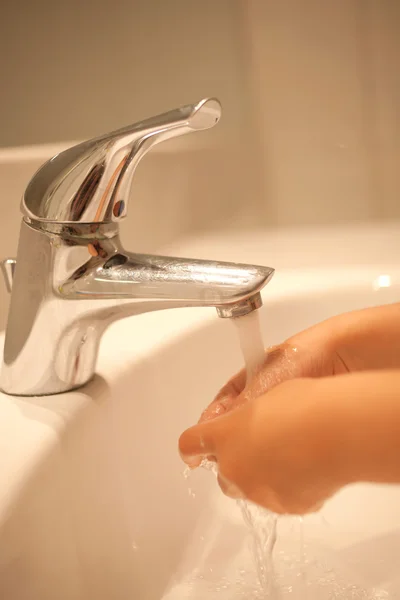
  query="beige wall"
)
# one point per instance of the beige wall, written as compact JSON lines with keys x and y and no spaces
{"x":311,"y":93}
{"x":310,"y":90}
{"x":73,"y":69}
{"x":325,"y":81}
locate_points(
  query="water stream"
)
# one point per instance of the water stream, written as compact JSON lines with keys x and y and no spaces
{"x":261,"y":523}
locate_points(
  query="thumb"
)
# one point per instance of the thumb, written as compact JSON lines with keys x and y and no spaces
{"x":227,"y":398}
{"x":203,"y":440}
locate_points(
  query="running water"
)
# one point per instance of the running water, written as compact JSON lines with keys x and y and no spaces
{"x":251,"y":342}
{"x":262,"y":526}
{"x":261,"y":523}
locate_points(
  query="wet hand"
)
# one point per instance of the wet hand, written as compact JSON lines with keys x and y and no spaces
{"x":278,"y":450}
{"x":304,"y":355}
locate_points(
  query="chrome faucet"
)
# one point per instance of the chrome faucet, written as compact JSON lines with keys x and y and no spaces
{"x":72,"y":276}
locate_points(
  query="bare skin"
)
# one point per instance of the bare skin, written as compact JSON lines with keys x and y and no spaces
{"x":302,"y":429}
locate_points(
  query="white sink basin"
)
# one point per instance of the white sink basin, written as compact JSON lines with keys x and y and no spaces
{"x":93,"y":502}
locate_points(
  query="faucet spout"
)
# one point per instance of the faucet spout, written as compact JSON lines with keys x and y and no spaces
{"x":167,"y":282}
{"x":83,"y":281}
{"x":72,"y":276}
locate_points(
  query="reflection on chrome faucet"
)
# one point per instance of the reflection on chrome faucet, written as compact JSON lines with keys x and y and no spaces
{"x":73,"y":278}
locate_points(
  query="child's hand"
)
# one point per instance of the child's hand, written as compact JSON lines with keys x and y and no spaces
{"x":292,"y":448}
{"x":278,"y":450}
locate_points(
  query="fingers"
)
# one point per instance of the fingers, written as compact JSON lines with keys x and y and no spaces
{"x":281,"y":363}
{"x":194,"y":445}
{"x":227,"y":397}
{"x":203,"y":440}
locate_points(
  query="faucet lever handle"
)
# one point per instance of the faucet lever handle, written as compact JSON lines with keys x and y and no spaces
{"x":90,"y":182}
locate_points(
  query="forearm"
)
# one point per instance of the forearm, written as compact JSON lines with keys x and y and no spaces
{"x":362,"y":419}
{"x":367,"y":339}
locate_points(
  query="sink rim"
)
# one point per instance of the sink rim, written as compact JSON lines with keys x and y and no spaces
{"x":26,"y":440}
